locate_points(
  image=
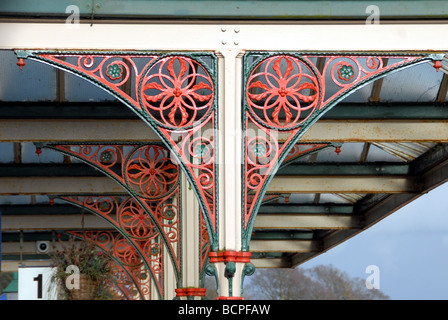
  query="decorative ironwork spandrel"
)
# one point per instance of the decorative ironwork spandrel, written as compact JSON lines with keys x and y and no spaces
{"x":174,"y":94}
{"x":130,"y":277}
{"x":284,"y":95}
{"x":138,"y":244}
{"x":147,"y":173}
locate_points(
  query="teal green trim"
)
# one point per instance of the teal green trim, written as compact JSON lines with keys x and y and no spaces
{"x":13,"y":286}
{"x":251,"y":59}
{"x":248,"y":270}
{"x":227,"y":9}
{"x":211,"y":68}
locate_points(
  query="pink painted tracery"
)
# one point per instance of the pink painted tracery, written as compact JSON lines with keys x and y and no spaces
{"x":174,"y":93}
{"x":283,"y":93}
{"x":177,"y":91}
{"x":284,"y":90}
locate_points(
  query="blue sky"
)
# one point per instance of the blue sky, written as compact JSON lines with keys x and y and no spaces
{"x":410,"y":248}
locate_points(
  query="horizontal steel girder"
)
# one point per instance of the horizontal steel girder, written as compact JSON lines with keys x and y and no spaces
{"x":113,"y":110}
{"x":280,"y":184}
{"x":218,"y":9}
{"x":12,"y":263}
{"x":210,"y":36}
{"x":263,"y":221}
{"x":296,"y":169}
{"x":107,"y":131}
{"x":29,"y":247}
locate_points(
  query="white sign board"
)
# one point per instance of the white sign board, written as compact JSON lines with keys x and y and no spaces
{"x":35,"y":283}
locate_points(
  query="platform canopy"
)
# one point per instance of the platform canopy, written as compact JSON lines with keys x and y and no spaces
{"x":388,"y":139}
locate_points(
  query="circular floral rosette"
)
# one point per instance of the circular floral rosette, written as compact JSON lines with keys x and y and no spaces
{"x":109,"y":68}
{"x":168,"y":213}
{"x":282,"y":91}
{"x":177,"y":92}
{"x":106,"y":156}
{"x":103,"y":239}
{"x":150,"y":173}
{"x":103,"y":205}
{"x":127,"y":254}
{"x":261,"y":151}
{"x":134,"y":219}
{"x":201,"y":150}
{"x":153,"y":251}
{"x":347,"y":70}
{"x":144,"y":278}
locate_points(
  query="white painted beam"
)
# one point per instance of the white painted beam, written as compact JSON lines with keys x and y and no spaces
{"x":343,"y":184}
{"x":13,"y":265}
{"x":263,"y":221}
{"x":59,"y":185}
{"x":53,"y":222}
{"x":378,"y":131}
{"x":270,"y":263}
{"x":29,"y":247}
{"x":216,"y":36}
{"x":46,"y":130}
{"x":284,"y":246}
{"x":303,"y":221}
{"x":280,"y":184}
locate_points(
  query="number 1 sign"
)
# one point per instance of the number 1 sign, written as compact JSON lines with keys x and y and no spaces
{"x":35,"y":283}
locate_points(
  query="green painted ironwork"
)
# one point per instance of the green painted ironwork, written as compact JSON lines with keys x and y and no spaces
{"x":206,"y":60}
{"x":227,"y":9}
{"x":253,"y":59}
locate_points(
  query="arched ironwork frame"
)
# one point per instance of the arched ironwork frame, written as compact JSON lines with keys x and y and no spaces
{"x":139,"y":244}
{"x":146,"y":173}
{"x":175,"y":94}
{"x":132,"y":280}
{"x":285,"y":94}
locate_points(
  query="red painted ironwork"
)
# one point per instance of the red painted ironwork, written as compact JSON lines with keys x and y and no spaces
{"x":437,"y":65}
{"x":130,"y":272}
{"x":285,"y":93}
{"x":21,"y":63}
{"x":291,"y":89}
{"x":175,"y":94}
{"x":230,"y":256}
{"x":148,"y":174}
{"x":177,"y":91}
{"x":141,"y":245}
{"x":262,"y":155}
{"x":190,"y":292}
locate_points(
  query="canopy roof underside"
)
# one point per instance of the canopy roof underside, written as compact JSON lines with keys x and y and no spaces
{"x":380,"y":168}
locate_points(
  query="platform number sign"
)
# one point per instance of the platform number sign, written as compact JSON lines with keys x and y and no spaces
{"x":35,"y":283}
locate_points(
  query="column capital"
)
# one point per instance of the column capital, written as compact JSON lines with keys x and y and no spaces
{"x":190,"y":292}
{"x":230,"y":256}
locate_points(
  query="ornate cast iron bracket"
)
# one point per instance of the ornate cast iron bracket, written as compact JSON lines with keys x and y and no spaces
{"x":139,"y":245}
{"x":130,"y":277}
{"x":285,"y":94}
{"x":175,"y":94}
{"x":147,"y":174}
